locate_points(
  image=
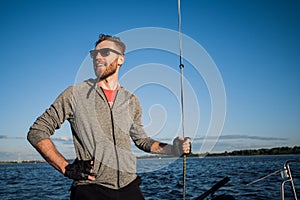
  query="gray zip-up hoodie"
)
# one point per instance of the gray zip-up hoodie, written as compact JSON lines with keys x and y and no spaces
{"x":99,"y":131}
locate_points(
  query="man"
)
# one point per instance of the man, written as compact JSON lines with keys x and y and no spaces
{"x":103,"y":117}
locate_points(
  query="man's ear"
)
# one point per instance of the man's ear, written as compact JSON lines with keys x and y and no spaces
{"x":121,"y":60}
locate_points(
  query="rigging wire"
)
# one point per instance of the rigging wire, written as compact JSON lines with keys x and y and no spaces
{"x":241,"y":186}
{"x":180,"y":35}
{"x":181,"y":66}
{"x":264,"y":177}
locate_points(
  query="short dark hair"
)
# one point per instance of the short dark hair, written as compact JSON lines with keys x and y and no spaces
{"x":114,"y":39}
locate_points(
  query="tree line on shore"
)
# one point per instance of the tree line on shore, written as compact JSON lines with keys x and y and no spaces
{"x":263,"y":151}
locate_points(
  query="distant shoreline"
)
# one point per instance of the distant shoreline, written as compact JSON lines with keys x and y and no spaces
{"x":249,"y":152}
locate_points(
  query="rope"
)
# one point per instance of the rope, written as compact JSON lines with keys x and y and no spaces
{"x":181,"y":66}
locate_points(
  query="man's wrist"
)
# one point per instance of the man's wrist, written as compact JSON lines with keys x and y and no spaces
{"x":161,"y":148}
{"x":63,"y":168}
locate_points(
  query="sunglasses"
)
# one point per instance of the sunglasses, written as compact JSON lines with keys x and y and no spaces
{"x":103,"y":52}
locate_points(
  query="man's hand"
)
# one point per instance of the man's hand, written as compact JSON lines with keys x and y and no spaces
{"x":181,"y":146}
{"x":80,"y":170}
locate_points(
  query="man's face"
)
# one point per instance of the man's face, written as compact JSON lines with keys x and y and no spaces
{"x":107,"y":64}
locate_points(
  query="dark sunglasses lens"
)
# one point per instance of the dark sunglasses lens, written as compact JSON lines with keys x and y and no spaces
{"x":104,"y":52}
{"x":93,"y":53}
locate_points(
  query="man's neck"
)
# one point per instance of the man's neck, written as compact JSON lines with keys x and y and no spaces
{"x":110,"y":83}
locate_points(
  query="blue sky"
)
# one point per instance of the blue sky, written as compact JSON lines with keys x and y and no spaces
{"x":254,"y":45}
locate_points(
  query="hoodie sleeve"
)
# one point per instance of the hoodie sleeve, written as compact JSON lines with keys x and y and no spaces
{"x":52,"y":118}
{"x":137,"y":132}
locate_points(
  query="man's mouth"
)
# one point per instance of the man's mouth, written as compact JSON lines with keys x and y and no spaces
{"x":100,"y":65}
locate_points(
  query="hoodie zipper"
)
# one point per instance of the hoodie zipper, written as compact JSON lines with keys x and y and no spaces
{"x":115,"y":141}
{"x":116,"y":150}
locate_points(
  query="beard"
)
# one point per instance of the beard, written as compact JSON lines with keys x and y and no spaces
{"x":108,"y":71}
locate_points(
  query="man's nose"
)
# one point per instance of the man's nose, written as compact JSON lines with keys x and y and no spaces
{"x":98,"y":55}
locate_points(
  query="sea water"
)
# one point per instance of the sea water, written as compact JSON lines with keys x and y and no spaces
{"x":162,"y":178}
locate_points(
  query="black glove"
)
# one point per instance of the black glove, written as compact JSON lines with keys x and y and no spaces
{"x":177,"y":148}
{"x":79,"y":169}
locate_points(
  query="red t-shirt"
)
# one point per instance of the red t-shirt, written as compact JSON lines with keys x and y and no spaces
{"x":110,"y":96}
